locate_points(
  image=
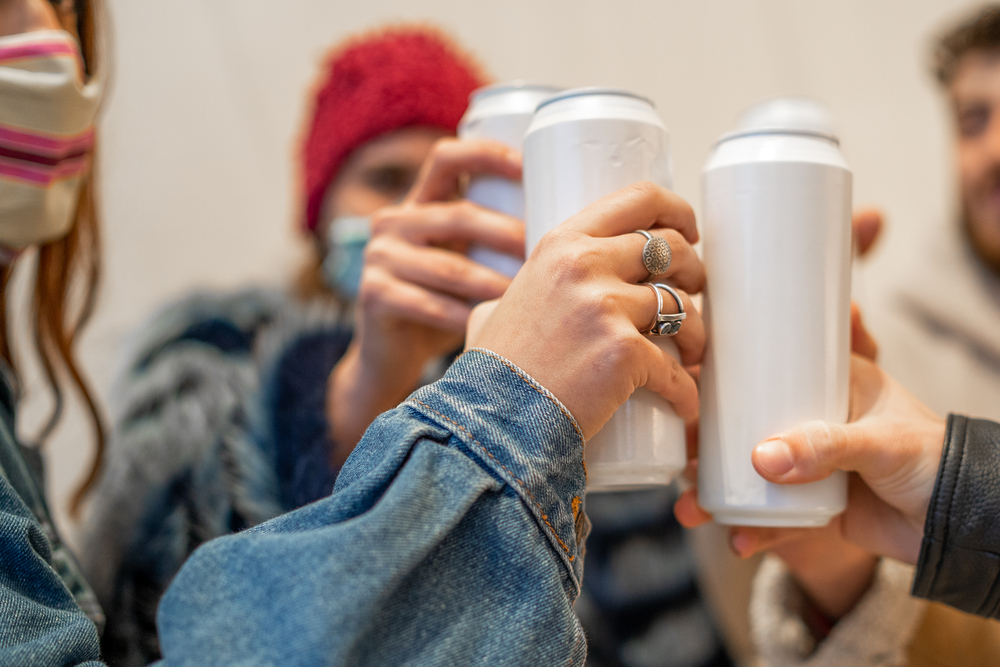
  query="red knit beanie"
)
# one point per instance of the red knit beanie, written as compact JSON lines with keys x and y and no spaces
{"x":394,"y":78}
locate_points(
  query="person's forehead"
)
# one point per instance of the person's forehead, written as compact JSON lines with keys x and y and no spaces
{"x":977,"y":76}
{"x":405,"y":145}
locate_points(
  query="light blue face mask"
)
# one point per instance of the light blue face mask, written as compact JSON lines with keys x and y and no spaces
{"x":346,"y":238}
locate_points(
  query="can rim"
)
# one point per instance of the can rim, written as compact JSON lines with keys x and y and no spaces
{"x":594,"y":90}
{"x":777,"y":130}
{"x":507,"y":86}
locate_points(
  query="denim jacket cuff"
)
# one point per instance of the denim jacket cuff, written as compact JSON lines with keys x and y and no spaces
{"x":520,"y":432}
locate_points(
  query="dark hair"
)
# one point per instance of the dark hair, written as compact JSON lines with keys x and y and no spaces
{"x":979,"y":32}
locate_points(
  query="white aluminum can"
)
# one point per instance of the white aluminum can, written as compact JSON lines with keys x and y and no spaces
{"x":500,"y":112}
{"x":582,"y":145}
{"x":777,"y":246}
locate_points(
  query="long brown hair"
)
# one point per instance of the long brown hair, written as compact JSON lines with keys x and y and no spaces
{"x":66,"y":278}
{"x":65,"y":289}
{"x":66,"y":281}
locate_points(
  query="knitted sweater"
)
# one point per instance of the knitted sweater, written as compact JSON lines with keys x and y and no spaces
{"x":219,"y":425}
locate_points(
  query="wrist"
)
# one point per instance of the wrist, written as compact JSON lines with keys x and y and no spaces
{"x":357,"y":393}
{"x":877,"y":630}
{"x":834,"y":587}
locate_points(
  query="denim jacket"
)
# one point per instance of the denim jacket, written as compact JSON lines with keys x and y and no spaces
{"x":454,"y":536}
{"x":42,"y":593}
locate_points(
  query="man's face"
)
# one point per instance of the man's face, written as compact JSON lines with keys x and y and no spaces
{"x":975,"y":94}
{"x":378,"y":173}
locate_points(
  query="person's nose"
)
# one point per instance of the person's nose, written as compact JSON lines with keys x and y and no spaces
{"x":992,"y":143}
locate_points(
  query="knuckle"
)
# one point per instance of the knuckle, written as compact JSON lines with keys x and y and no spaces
{"x":454,"y":272}
{"x":645,"y":189}
{"x":443,"y":147}
{"x":622,"y":351}
{"x":378,"y":251}
{"x":462,"y":211}
{"x":685,"y":208}
{"x":597,"y":303}
{"x":384,"y":219}
{"x":675,"y":372}
{"x":372,"y":289}
{"x":822,"y":441}
{"x":572,"y":262}
{"x":549,"y":244}
{"x":678,"y":246}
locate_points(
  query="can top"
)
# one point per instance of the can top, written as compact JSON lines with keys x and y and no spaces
{"x":509,"y":86}
{"x":594,"y":90}
{"x":748,"y":132}
{"x":792,"y":112}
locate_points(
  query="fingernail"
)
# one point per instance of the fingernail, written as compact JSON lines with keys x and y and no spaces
{"x":739,"y":543}
{"x":775,"y":457}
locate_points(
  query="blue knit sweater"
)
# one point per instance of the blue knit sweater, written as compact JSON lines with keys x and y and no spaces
{"x":220,"y":425}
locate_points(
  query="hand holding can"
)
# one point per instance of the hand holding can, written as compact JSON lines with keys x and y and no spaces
{"x":582,"y":145}
{"x":501,"y":112}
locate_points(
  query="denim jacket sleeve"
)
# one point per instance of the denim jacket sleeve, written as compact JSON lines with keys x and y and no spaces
{"x":40,"y":623}
{"x":453,"y":536}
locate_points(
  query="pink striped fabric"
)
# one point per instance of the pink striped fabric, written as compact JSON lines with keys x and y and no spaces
{"x":37,"y":49}
{"x":45,"y":144}
{"x":36,"y":157}
{"x":40,"y":159}
{"x":42,"y":175}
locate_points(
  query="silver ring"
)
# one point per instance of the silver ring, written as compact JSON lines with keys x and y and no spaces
{"x":656,"y":254}
{"x":659,"y":308}
{"x":666,"y":324}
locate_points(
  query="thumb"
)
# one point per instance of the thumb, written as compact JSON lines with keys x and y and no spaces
{"x":817,"y":448}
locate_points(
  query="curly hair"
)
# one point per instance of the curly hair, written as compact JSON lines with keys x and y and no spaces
{"x":979,"y":32}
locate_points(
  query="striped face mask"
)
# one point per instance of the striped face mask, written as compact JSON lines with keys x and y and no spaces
{"x":46,"y":136}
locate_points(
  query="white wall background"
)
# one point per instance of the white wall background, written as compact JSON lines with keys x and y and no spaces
{"x":199,"y":133}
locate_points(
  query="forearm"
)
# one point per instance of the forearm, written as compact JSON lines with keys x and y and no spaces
{"x":360,"y":389}
{"x":446,"y":541}
{"x":833,"y":576}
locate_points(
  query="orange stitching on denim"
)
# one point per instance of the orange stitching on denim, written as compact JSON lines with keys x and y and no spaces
{"x":545,"y":517}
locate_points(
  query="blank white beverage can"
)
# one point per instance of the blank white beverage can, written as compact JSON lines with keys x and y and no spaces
{"x":777,"y":247}
{"x":501,"y":112}
{"x":582,"y":145}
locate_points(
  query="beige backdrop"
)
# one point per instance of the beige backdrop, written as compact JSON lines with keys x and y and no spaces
{"x":198,"y":135}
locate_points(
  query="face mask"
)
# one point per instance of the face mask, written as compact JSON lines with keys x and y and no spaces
{"x":46,"y":135}
{"x":346,"y":238}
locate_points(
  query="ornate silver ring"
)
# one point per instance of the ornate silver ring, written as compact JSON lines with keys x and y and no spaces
{"x":666,"y":324}
{"x":656,"y":254}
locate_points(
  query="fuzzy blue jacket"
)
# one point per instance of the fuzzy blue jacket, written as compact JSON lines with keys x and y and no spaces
{"x":219,"y":425}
